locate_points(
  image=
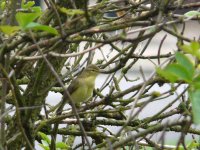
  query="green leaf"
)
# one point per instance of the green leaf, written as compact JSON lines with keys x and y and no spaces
{"x":3,"y":5}
{"x":167,"y":75}
{"x":196,"y":82}
{"x":27,"y":5}
{"x":192,"y":13}
{"x":9,"y":29}
{"x":193,"y":145}
{"x":193,"y":48}
{"x":37,"y":9}
{"x":39,"y":27}
{"x":62,"y":145}
{"x":44,"y":137}
{"x":179,"y":71}
{"x":185,"y":62}
{"x":24,"y":19}
{"x":187,"y":48}
{"x":44,"y":147}
{"x":195,"y":98}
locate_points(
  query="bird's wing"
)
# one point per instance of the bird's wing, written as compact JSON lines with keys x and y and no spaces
{"x":73,"y":86}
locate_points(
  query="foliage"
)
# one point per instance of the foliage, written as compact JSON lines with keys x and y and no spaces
{"x":46,"y":143}
{"x":25,"y":20}
{"x":183,"y":69}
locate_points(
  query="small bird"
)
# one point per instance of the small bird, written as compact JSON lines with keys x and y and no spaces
{"x":81,"y":88}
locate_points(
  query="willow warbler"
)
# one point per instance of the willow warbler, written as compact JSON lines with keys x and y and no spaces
{"x":81,"y":88}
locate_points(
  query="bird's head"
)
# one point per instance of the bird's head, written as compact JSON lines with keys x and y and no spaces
{"x":91,"y":70}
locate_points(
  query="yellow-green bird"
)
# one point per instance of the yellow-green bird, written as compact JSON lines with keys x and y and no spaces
{"x":81,"y":88}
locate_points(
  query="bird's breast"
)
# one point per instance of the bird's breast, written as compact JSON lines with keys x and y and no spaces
{"x":84,"y":90}
{"x":89,"y":81}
